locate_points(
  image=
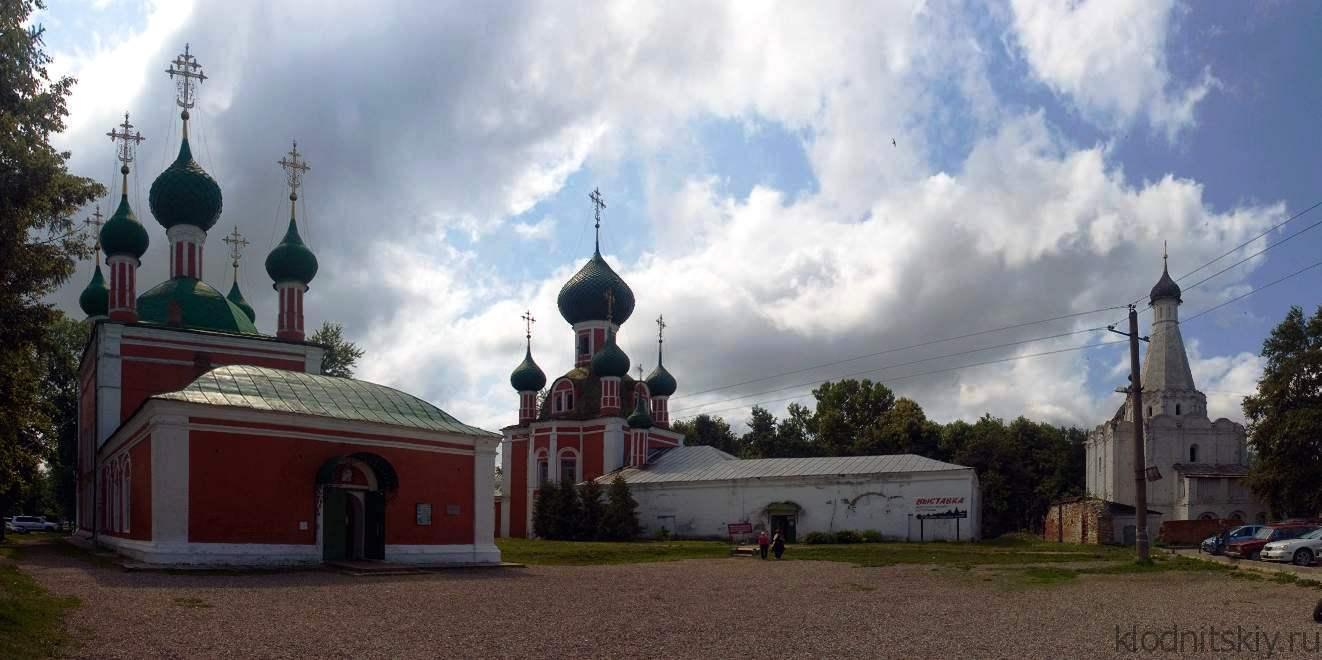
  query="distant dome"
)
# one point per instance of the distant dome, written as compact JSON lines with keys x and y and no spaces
{"x":235,"y":296}
{"x":583,"y":297}
{"x":123,"y":234}
{"x":611,"y":361}
{"x":184,"y":194}
{"x":660,"y":382}
{"x":1165,"y":288}
{"x":95,"y":299}
{"x":528,"y":377}
{"x":291,"y":260}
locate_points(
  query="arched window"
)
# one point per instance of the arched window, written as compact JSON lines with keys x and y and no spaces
{"x":562,"y":397}
{"x":543,"y":469}
{"x":1149,"y":411}
{"x":1177,"y":409}
{"x":1193,"y":453}
{"x":1237,"y":515}
{"x":569,"y":465}
{"x":1207,"y":515}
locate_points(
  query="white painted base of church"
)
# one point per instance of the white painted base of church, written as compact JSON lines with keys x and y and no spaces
{"x":261,"y":555}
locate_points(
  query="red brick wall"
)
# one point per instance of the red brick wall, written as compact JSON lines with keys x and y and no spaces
{"x":518,"y":497}
{"x":1192,"y":532}
{"x":1077,"y":522}
{"x":252,"y":488}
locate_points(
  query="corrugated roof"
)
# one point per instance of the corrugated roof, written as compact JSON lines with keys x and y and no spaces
{"x":1211,"y":469}
{"x":701,"y":463}
{"x":278,"y":390}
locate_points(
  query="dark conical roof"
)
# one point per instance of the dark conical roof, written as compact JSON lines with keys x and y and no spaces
{"x":291,"y":260}
{"x":123,"y":234}
{"x":528,"y":377}
{"x":1165,"y":287}
{"x":610,"y":361}
{"x":95,"y":299}
{"x":640,"y":419}
{"x":583,"y":297}
{"x":660,"y":382}
{"x":235,"y":296}
{"x":184,"y":194}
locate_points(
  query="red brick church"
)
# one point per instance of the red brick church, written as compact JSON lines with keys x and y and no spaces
{"x":204,"y":441}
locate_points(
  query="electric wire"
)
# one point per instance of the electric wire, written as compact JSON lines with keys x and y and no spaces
{"x":1238,"y":298}
{"x":906,"y":348}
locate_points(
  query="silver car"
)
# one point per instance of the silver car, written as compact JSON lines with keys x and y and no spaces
{"x":1300,"y":551}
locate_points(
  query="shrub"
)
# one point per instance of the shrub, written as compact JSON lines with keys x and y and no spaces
{"x":620,"y":520}
{"x":819,"y":538}
{"x":848,"y":536}
{"x":872,"y":536}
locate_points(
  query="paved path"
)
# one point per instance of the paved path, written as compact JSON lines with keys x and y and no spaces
{"x":719,"y":608}
{"x":1312,"y":572}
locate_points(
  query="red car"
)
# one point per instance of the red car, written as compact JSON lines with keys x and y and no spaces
{"x":1251,"y":547}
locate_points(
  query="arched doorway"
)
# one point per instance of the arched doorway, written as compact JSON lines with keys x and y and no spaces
{"x":352,"y":521}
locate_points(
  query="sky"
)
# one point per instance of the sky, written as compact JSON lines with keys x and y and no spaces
{"x":791,"y":185}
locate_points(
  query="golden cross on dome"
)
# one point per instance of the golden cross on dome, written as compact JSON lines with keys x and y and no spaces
{"x":95,"y":221}
{"x":190,"y":75}
{"x":128,"y":140}
{"x":528,"y":320}
{"x":660,"y":328}
{"x":610,"y":304}
{"x":237,"y":242}
{"x":295,"y":167}
{"x":598,"y":203}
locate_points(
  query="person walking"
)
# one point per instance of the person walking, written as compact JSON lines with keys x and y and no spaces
{"x":763,"y":542}
{"x":778,"y":544}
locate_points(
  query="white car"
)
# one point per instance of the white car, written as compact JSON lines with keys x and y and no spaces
{"x":25,"y":524}
{"x":1301,"y":551}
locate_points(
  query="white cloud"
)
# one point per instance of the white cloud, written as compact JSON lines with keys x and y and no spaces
{"x":1109,"y":58}
{"x":461,"y":120}
{"x":1226,"y":380}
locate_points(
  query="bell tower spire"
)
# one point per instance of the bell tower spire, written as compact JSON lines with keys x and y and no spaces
{"x":1168,"y":386}
{"x":291,"y":264}
{"x":122,"y":237}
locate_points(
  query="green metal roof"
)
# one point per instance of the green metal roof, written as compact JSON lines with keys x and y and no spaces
{"x":291,"y":260}
{"x":528,"y":377}
{"x":184,"y":194}
{"x":123,"y":234}
{"x":278,"y":390}
{"x":199,"y":306}
{"x":95,"y":299}
{"x":610,"y":360}
{"x":583,"y":297}
{"x":236,"y":296}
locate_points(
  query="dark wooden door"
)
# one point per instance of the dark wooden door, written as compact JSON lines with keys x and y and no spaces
{"x":374,"y":530}
{"x":334,"y":525}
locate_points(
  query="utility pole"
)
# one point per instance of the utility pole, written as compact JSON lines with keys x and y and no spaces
{"x":1135,"y":391}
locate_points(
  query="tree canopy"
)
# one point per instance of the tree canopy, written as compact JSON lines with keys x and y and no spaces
{"x":341,"y":354}
{"x":1285,"y":418}
{"x":39,"y":240}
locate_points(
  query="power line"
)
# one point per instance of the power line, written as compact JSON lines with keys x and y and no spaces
{"x":1270,"y":246}
{"x":905,"y":348}
{"x":894,"y":366}
{"x":938,"y":371}
{"x":1209,"y":310}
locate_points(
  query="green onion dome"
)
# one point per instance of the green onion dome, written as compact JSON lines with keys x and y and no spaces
{"x":1165,"y":287}
{"x":95,"y":299}
{"x":123,"y":234}
{"x":184,"y":194}
{"x":583,"y":297}
{"x":528,"y":377}
{"x":291,"y":260}
{"x":610,"y":361}
{"x":235,"y":296}
{"x":640,"y":418}
{"x":192,"y":303}
{"x":660,"y":382}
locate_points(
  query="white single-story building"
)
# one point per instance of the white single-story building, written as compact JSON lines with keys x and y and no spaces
{"x":699,"y":491}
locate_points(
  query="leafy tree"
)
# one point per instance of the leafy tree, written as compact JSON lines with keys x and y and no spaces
{"x":341,"y":355}
{"x":707,"y":430}
{"x":904,"y":429}
{"x":769,"y":438}
{"x":760,"y":439}
{"x":59,"y":393}
{"x":849,"y":415}
{"x":1285,"y":418}
{"x":38,"y":239}
{"x":591,"y":510}
{"x":620,"y":520}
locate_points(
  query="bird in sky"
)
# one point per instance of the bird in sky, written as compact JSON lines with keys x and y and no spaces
{"x":893,"y":142}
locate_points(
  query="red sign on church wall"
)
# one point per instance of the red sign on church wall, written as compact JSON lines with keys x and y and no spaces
{"x":740,"y":528}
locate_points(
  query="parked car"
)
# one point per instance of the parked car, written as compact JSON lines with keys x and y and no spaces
{"x":1215,"y":545}
{"x":25,"y":524}
{"x":1251,"y":548}
{"x":1301,"y":551}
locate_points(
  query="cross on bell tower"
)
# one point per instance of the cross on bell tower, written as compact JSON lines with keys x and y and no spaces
{"x":237,"y":242}
{"x":95,"y":221}
{"x":528,"y":320}
{"x":128,"y":140}
{"x":598,"y":203}
{"x":190,"y":75}
{"x":295,"y":167}
{"x":660,"y":335}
